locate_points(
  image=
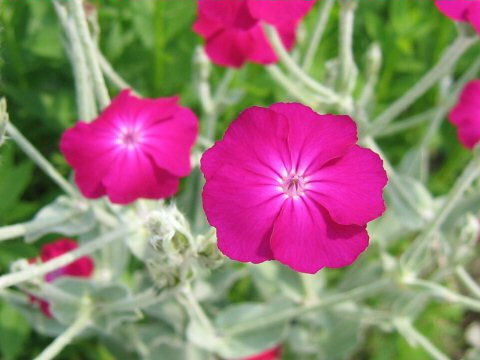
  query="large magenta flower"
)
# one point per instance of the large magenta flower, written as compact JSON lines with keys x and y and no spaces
{"x":461,"y":10}
{"x":82,"y":267}
{"x":270,"y":354}
{"x":137,"y":148}
{"x":466,"y":115}
{"x":288,"y":184}
{"x":233,"y":31}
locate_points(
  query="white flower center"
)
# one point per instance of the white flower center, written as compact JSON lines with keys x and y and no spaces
{"x":293,"y":185}
{"x":129,"y":137}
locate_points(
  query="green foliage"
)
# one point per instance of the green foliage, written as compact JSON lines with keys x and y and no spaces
{"x":150,"y":44}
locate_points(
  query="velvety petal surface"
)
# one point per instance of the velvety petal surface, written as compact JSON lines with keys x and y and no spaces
{"x":313,"y":137}
{"x":170,"y":142}
{"x":454,"y":9}
{"x":279,"y":12}
{"x":466,"y":115}
{"x":229,"y":13}
{"x":134,"y":175}
{"x":306,"y":239}
{"x":473,"y":16}
{"x":350,"y":187}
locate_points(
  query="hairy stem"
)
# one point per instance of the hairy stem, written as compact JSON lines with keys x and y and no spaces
{"x":89,"y":48}
{"x":39,"y":270}
{"x":40,"y":160}
{"x":328,"y":94}
{"x":52,"y":350}
{"x":320,"y":26}
{"x":448,"y":60}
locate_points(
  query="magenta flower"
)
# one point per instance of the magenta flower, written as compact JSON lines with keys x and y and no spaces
{"x":137,"y":148}
{"x":461,"y":10}
{"x":288,"y":184}
{"x":82,"y":267}
{"x":233,"y":31}
{"x":466,"y":115}
{"x":270,"y":354}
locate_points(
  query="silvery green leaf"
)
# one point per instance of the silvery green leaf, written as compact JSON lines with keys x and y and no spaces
{"x":170,"y":312}
{"x":272,"y":278}
{"x":338,"y":337}
{"x":112,"y":259}
{"x":414,"y":205}
{"x":63,"y":216}
{"x":40,"y":323}
{"x":103,"y":297}
{"x":248,"y":328}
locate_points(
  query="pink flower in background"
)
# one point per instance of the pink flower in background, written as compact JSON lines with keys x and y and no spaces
{"x":137,"y":148}
{"x":288,"y":184}
{"x":233,"y":32}
{"x":466,"y":115}
{"x":461,"y":10}
{"x":270,"y":354}
{"x":82,"y":267}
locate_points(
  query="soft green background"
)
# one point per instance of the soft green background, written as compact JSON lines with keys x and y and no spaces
{"x":150,"y":43}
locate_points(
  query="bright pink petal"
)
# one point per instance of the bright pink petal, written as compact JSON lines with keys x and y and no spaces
{"x":229,"y":47}
{"x":169,"y":142}
{"x":229,"y":13}
{"x":350,"y":187}
{"x":89,"y":149}
{"x":454,"y":9}
{"x":315,"y":137}
{"x":242,"y":205}
{"x":473,"y":16}
{"x":270,"y":354}
{"x":261,"y":52}
{"x":258,"y":139}
{"x":134,"y":175}
{"x":278,"y":12}
{"x":206,"y":27}
{"x":466,"y":115}
{"x":306,"y":239}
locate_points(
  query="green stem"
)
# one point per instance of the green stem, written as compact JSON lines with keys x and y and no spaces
{"x":52,"y":350}
{"x":327,"y":301}
{"x":90,"y":51}
{"x":40,"y":160}
{"x":320,"y":26}
{"x":291,"y":87}
{"x":411,"y":334}
{"x":470,"y":173}
{"x":328,"y":94}
{"x":468,"y":281}
{"x":448,"y":60}
{"x":445,"y":293}
{"x":348,"y":68}
{"x":83,"y":90}
{"x":35,"y":271}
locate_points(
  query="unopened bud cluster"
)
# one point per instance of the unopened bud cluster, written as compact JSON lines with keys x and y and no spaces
{"x":178,"y":254}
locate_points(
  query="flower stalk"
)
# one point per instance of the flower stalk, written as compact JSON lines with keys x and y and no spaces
{"x":35,"y":271}
{"x":82,"y":322}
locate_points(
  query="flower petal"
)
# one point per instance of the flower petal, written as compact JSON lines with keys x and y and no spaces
{"x":229,"y":47}
{"x":169,"y":142}
{"x":473,"y":15}
{"x":454,"y":9}
{"x":306,"y":239}
{"x":134,"y":175}
{"x":279,"y":12}
{"x":230,"y":13}
{"x":350,"y":187}
{"x":314,"y":137}
{"x":242,"y":205}
{"x":90,"y":150}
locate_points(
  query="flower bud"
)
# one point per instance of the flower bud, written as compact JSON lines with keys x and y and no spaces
{"x":374,"y":60}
